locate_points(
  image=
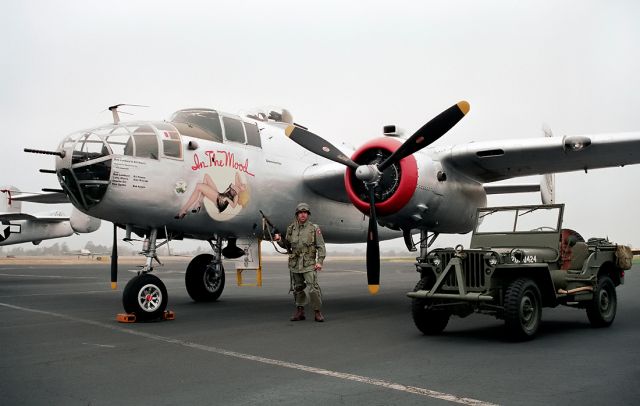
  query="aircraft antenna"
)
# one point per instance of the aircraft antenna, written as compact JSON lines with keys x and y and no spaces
{"x":116,"y":114}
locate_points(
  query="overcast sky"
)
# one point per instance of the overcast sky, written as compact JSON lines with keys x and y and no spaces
{"x":344,"y":69}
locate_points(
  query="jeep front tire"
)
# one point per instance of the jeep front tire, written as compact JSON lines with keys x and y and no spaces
{"x":522,"y":309}
{"x":428,"y":321}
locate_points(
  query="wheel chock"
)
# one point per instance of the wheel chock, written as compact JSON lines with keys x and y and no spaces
{"x":131,"y":317}
{"x":168,"y":315}
{"x":126,"y":317}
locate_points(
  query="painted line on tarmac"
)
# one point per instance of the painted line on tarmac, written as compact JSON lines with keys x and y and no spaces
{"x":269,"y":361}
{"x":47,"y":276}
{"x":84,"y":292}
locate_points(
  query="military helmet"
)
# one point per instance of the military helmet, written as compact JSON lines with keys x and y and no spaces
{"x":303,"y":207}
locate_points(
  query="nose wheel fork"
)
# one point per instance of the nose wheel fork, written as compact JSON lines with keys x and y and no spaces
{"x":145,"y":296}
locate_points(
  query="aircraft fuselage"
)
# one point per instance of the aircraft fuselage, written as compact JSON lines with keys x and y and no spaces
{"x":212,"y":173}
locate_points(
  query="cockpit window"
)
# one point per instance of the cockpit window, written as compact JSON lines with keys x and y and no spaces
{"x":89,"y":147}
{"x":171,"y":142}
{"x":253,"y":134}
{"x":198,"y":123}
{"x":233,"y":130}
{"x":146,"y":142}
{"x":118,"y":138}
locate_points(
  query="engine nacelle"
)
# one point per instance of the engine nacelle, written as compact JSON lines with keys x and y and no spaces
{"x":416,"y":193}
{"x":82,"y":223}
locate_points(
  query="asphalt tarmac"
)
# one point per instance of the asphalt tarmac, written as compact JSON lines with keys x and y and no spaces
{"x":60,"y":345}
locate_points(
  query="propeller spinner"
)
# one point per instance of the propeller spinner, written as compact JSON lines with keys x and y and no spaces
{"x":371,"y":174}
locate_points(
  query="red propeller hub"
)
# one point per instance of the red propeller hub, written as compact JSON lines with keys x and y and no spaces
{"x":398,"y":182}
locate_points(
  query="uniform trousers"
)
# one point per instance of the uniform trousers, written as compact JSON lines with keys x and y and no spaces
{"x":309,"y":280}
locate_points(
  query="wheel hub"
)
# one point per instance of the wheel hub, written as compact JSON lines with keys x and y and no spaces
{"x":212,"y":278}
{"x":149,"y":298}
{"x":604,"y":300}
{"x":527,"y":311}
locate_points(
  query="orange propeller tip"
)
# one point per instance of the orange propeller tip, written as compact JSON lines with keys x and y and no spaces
{"x":373,"y":289}
{"x":289,"y":130}
{"x":464,"y":107}
{"x":114,"y":285}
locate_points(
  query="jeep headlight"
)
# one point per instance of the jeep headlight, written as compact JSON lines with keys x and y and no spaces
{"x":491,"y":259}
{"x":435,"y":261}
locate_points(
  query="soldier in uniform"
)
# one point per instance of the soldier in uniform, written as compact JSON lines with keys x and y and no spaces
{"x":305,"y":245}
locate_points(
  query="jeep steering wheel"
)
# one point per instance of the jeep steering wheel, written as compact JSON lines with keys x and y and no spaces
{"x":543,"y":228}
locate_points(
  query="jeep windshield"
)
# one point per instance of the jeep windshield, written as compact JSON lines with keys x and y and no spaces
{"x":523,"y":219}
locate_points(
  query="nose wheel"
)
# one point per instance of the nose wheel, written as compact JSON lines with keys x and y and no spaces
{"x":145,"y":296}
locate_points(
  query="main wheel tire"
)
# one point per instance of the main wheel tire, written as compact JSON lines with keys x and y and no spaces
{"x":428,"y":321}
{"x":601,"y":311}
{"x":522,"y":309}
{"x":203,"y":282}
{"x":146,"y":296}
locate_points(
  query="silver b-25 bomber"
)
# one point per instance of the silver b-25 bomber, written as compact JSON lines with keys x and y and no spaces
{"x":520,"y":260}
{"x":209,"y":175}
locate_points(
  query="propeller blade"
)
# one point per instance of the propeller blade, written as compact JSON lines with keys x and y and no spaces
{"x":318,"y":145}
{"x":373,"y":247}
{"x":428,"y":133}
{"x":114,"y":258}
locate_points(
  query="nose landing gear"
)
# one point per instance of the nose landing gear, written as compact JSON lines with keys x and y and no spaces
{"x":145,"y":297}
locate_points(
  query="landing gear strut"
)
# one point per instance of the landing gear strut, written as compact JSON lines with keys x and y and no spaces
{"x":145,"y":295}
{"x":205,"y":275}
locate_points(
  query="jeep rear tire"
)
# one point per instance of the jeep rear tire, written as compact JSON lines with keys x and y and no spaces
{"x":522,"y":309}
{"x":601,"y":310}
{"x":428,"y":321}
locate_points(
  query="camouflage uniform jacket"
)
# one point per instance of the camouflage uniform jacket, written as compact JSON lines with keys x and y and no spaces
{"x":305,"y":245}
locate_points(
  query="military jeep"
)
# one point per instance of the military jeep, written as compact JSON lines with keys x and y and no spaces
{"x":520,"y":260}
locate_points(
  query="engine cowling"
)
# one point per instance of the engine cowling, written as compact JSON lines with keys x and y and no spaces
{"x":82,"y":223}
{"x":398,"y":182}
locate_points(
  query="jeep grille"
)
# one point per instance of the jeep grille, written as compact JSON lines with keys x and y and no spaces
{"x":472,"y":270}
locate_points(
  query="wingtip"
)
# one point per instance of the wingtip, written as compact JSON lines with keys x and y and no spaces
{"x":373,"y":289}
{"x":464,"y":107}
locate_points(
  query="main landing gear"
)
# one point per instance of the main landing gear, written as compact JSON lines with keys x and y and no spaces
{"x":145,"y":297}
{"x":205,"y":275}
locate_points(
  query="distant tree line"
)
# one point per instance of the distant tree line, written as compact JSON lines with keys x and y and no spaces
{"x":60,"y":249}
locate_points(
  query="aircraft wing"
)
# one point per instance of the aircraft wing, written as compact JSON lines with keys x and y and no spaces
{"x":45,"y":197}
{"x":16,"y":216}
{"x":42,"y":218}
{"x":492,"y":161}
{"x":327,"y":180}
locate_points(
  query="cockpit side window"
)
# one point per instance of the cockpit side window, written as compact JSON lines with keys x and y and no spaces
{"x":171,"y":143}
{"x":233,"y":130}
{"x":119,"y":140}
{"x":203,"y":124}
{"x":146,"y":142}
{"x":253,"y":134}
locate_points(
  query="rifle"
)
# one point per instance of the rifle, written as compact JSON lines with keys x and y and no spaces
{"x":268,"y":226}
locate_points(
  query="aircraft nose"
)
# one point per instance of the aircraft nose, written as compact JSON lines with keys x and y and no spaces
{"x":85,"y":168}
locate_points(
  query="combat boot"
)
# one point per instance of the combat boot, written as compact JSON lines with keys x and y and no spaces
{"x":298,"y":315}
{"x":319,"y":317}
